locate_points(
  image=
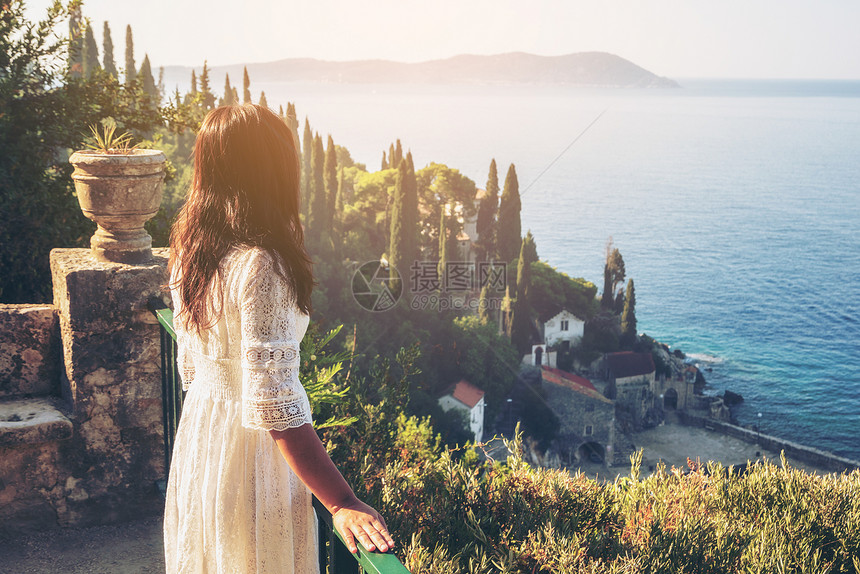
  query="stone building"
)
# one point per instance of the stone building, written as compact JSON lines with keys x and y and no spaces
{"x":468,"y":398}
{"x":586,"y":417}
{"x":630,"y":382}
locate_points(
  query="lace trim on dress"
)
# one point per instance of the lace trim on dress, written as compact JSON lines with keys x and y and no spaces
{"x":279,"y":355}
{"x":277,"y":414}
{"x":274,"y":397}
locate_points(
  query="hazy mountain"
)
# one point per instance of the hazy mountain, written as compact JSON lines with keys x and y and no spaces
{"x":581,"y":69}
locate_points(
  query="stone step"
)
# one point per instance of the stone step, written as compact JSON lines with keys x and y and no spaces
{"x":32,"y":421}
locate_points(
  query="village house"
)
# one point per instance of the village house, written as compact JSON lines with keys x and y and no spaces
{"x":469,"y":399}
{"x":630,"y":381}
{"x":587,"y":418}
{"x":562,"y":330}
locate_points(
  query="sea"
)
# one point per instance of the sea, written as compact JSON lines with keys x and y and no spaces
{"x":735,"y":204}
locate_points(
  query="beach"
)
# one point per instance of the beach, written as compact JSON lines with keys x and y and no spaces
{"x":672,"y":444}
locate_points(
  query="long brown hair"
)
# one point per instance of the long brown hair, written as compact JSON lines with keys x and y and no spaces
{"x":245,"y":191}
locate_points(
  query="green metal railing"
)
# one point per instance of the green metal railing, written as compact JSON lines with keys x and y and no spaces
{"x":334,"y":556}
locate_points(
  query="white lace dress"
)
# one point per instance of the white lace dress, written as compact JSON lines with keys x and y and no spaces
{"x":233,"y":503}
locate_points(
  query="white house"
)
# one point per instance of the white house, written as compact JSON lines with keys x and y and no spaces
{"x":468,"y":398}
{"x":564,"y":326}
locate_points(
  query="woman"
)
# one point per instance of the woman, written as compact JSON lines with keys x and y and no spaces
{"x":246,"y":458}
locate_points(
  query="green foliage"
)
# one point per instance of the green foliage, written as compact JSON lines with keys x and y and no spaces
{"x":553,"y":291}
{"x":521,"y":318}
{"x":108,"y":62}
{"x":246,"y":87}
{"x":601,"y":335}
{"x":91,"y":53}
{"x":330,"y":179}
{"x":130,"y":69}
{"x":438,"y":186}
{"x":106,"y":140}
{"x":613,"y":274}
{"x":628,"y":315}
{"x":509,"y":228}
{"x":43,"y":115}
{"x":148,"y":81}
{"x":466,"y":513}
{"x":485,"y":225}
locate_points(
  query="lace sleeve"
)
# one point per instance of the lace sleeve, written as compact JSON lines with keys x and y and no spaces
{"x":272,"y":396}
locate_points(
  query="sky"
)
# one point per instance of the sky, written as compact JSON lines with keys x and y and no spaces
{"x":673,"y":38}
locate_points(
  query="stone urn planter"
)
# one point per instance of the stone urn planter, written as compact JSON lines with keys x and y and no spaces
{"x":120,"y":192}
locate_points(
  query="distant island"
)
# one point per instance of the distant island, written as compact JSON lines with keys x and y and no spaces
{"x":585,"y":69}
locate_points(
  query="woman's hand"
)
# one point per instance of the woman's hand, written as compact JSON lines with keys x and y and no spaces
{"x":361,"y":522}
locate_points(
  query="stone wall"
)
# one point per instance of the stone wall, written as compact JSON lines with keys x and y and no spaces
{"x":99,"y":376}
{"x":112,"y":380}
{"x":807,"y":454}
{"x":30,"y":353}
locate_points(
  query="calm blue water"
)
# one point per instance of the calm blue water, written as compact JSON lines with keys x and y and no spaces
{"x":736,"y":206}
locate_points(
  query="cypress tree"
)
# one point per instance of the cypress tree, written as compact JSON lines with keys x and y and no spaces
{"x":235,"y":95}
{"x":485,"y":246}
{"x":403,"y":239}
{"x":130,"y":68}
{"x":391,"y":163}
{"x":619,"y":302}
{"x":159,"y":88}
{"x":411,"y":250}
{"x":521,"y":318}
{"x":509,"y":228}
{"x":76,"y":43}
{"x":628,"y":315}
{"x":443,"y":246}
{"x":108,"y":61}
{"x":485,"y":314}
{"x":330,"y":179}
{"x":293,"y":124}
{"x":398,"y":154}
{"x":613,"y":274}
{"x":148,"y":82}
{"x":280,"y":107}
{"x":265,"y":103}
{"x":91,"y":52}
{"x":384,"y":164}
{"x":205,"y":88}
{"x":227,"y":98}
{"x":340,"y":199}
{"x":193,"y":83}
{"x":396,"y":235}
{"x":319,"y":217}
{"x":307,"y":169}
{"x":246,"y":87}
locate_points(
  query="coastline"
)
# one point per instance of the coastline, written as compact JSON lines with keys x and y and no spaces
{"x":672,"y":443}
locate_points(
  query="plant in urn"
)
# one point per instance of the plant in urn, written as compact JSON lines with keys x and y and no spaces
{"x":119,"y":187}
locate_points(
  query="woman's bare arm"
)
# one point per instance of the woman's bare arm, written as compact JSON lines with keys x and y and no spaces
{"x":306,"y":455}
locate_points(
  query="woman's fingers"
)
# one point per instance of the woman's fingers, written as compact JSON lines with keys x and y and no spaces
{"x":365,"y":526}
{"x":382,"y":530}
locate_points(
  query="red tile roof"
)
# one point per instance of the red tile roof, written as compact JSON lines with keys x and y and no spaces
{"x":572,"y":382}
{"x":467,"y":393}
{"x":629,"y":364}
